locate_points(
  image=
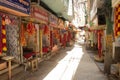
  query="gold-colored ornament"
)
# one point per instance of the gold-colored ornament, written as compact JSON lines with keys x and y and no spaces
{"x":4,"y":49}
{"x":4,"y":40}
{"x":3,"y":22}
{"x":3,"y":31}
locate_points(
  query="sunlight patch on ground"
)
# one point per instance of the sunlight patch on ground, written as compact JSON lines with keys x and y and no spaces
{"x":66,"y":68}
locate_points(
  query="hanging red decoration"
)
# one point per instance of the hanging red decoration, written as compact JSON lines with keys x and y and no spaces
{"x":0,"y":41}
{"x":31,"y":28}
{"x":22,"y":36}
{"x":46,"y":29}
{"x":99,"y":43}
{"x":4,"y":47}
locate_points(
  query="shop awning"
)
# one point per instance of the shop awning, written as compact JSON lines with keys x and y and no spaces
{"x":60,"y":7}
{"x":16,"y":7}
{"x":11,"y":11}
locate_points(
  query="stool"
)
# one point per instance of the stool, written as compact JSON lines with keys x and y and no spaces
{"x":34,"y":64}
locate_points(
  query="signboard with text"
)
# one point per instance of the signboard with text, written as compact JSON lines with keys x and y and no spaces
{"x":39,"y":14}
{"x":53,"y":20}
{"x":18,"y":5}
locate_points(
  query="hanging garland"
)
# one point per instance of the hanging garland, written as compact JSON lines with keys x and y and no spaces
{"x":0,"y":40}
{"x":31,"y":28}
{"x":22,"y":36}
{"x":46,"y":29}
{"x":4,"y":48}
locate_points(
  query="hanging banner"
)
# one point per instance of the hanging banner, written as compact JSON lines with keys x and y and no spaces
{"x":117,"y":21}
{"x":39,"y":14}
{"x":18,"y":5}
{"x":53,"y":20}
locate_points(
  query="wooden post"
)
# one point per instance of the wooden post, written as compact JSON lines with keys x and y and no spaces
{"x":41,"y":54}
{"x":119,"y":70}
{"x":9,"y":69}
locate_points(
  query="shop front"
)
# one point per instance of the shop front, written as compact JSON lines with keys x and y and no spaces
{"x":98,"y":41}
{"x":9,"y":27}
{"x":53,"y":20}
{"x":63,"y":33}
{"x":10,"y":17}
{"x":116,"y":36}
{"x":40,"y":15}
{"x":70,"y":34}
{"x":116,"y":27}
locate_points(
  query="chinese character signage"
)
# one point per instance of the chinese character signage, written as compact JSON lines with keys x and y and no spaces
{"x":18,"y":5}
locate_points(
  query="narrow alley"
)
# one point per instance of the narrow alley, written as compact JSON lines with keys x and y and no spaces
{"x":72,"y":63}
{"x":59,"y":39}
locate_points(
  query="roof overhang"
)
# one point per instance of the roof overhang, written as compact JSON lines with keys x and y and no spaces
{"x":11,"y":11}
{"x":59,"y":7}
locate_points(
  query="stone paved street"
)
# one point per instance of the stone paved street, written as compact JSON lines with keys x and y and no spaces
{"x":72,"y":63}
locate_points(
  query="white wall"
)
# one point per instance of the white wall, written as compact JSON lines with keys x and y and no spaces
{"x":93,"y":11}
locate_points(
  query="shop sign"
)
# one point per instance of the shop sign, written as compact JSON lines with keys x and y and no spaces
{"x":18,"y":5}
{"x":53,"y":20}
{"x":39,"y":14}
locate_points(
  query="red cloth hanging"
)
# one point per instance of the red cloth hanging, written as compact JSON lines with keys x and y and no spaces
{"x":99,"y":43}
{"x":45,"y":49}
{"x":51,"y":40}
{"x":69,"y":36}
{"x":0,"y":40}
{"x":60,"y":38}
{"x":46,"y":29}
{"x":64,"y":40}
